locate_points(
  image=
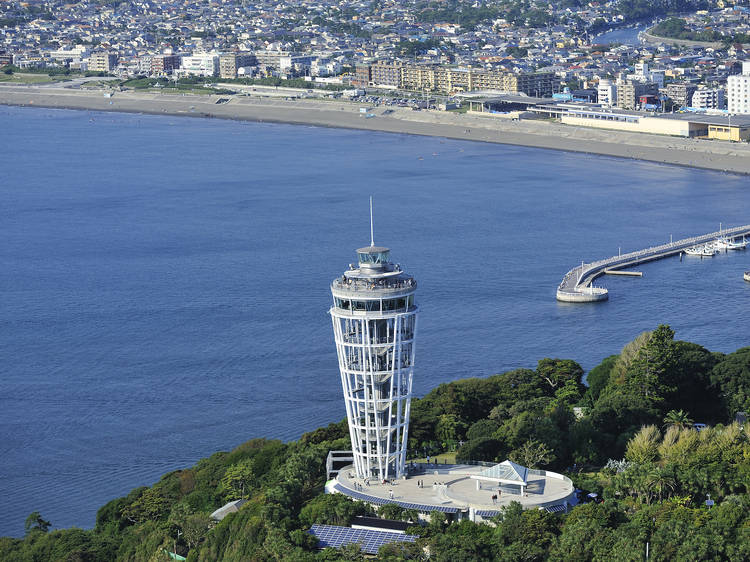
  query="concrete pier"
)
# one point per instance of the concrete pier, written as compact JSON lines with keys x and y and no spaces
{"x":577,"y":286}
{"x":626,"y":273}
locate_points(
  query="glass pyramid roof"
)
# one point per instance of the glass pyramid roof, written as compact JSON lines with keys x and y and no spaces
{"x":506,"y":471}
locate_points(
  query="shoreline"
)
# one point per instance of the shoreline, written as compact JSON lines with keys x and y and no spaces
{"x":680,"y":151}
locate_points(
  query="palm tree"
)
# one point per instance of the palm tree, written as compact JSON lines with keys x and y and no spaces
{"x":677,"y":418}
{"x":658,"y":481}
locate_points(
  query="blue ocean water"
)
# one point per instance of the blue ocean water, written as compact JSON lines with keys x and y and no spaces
{"x":165,"y":281}
{"x":624,"y":36}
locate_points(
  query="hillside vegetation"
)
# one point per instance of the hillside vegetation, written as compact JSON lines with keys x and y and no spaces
{"x":627,"y":436}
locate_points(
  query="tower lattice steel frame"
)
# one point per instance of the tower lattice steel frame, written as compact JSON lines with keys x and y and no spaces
{"x":375,"y":325}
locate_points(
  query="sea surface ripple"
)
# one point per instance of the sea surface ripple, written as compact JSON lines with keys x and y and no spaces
{"x":165,"y":281}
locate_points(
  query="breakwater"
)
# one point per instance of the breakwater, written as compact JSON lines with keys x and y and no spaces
{"x":577,"y":286}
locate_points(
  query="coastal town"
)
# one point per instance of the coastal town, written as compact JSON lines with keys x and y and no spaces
{"x":210,"y":348}
{"x":671,"y":75}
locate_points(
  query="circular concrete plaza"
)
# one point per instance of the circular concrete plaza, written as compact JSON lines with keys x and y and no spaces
{"x":458,"y":490}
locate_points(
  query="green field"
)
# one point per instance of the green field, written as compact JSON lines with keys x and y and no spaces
{"x":31,"y":78}
{"x":442,"y":458}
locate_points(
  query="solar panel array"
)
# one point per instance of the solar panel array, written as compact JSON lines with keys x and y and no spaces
{"x":486,"y":513}
{"x":383,"y":501}
{"x":369,"y":541}
{"x":428,"y":508}
{"x":556,"y":509}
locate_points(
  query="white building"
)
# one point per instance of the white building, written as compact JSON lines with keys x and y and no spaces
{"x":280,"y":60}
{"x":657,"y":76}
{"x":203,"y":64}
{"x":607,"y":93}
{"x":77,"y":52}
{"x":325,"y":67}
{"x":375,"y":324}
{"x":145,"y":64}
{"x":738,"y":91}
{"x":708,"y":98}
{"x":645,"y":75}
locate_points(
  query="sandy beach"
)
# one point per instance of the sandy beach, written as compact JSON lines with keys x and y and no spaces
{"x":698,"y":153}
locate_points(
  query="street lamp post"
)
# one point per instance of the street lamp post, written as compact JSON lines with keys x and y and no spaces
{"x":175,"y":541}
{"x":729,"y":126}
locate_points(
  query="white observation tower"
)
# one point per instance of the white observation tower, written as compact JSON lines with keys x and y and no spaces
{"x":375,"y":324}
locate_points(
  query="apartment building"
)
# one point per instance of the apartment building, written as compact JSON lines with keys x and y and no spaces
{"x":708,"y":98}
{"x":448,"y":80}
{"x":607,"y":93}
{"x":163,"y":65}
{"x":230,"y":63}
{"x":102,"y":62}
{"x":681,"y":93}
{"x":362,"y":76}
{"x":204,"y":64}
{"x":738,"y":91}
{"x":388,"y":75}
{"x":629,"y":92}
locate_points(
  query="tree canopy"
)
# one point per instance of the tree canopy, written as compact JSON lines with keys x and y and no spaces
{"x":628,"y":436}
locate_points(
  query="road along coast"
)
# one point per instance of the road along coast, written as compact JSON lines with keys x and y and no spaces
{"x":712,"y":155}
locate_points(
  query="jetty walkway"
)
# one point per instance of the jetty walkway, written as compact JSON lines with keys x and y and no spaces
{"x":577,"y":286}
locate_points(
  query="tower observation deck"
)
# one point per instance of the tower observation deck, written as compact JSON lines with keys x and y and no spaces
{"x":375,"y":325}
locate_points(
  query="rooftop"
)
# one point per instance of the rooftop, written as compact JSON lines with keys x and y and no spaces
{"x":226,"y":509}
{"x":369,"y":540}
{"x":373,"y":250}
{"x":453,"y":488}
{"x":723,"y":120}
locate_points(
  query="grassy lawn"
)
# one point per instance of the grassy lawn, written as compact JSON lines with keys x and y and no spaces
{"x":96,"y":85}
{"x":168,"y":90}
{"x":442,"y":458}
{"x":26,"y":78}
{"x":20,"y":78}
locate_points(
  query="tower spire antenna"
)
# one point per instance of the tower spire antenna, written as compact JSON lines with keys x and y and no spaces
{"x":372,"y":235}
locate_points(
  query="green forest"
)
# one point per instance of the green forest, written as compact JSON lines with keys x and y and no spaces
{"x":677,"y":28}
{"x":628,"y":435}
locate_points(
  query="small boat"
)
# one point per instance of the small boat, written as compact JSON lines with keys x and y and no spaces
{"x":722,"y":243}
{"x":737,"y":244}
{"x":725,"y":243}
{"x":747,"y":276}
{"x":707,"y":250}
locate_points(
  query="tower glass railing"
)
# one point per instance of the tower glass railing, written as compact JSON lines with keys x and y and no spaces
{"x":380,"y":257}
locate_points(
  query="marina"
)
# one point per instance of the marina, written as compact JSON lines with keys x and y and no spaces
{"x":577,"y":286}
